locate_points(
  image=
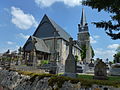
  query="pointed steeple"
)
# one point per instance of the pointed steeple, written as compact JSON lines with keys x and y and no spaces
{"x":83,"y":18}
{"x":83,"y":23}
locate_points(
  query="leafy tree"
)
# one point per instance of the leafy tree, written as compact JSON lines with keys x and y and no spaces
{"x":112,"y":26}
{"x":83,"y":53}
{"x":118,"y":49}
{"x":110,"y":63}
{"x":117,"y":55}
{"x":20,"y":50}
{"x":76,"y":58}
{"x":8,"y":51}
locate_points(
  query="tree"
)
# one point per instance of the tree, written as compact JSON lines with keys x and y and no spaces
{"x":76,"y":58}
{"x":117,"y":55}
{"x":118,"y":49}
{"x":8,"y":51}
{"x":112,"y":26}
{"x":117,"y":58}
{"x":20,"y":50}
{"x":83,"y":53}
{"x":110,"y":63}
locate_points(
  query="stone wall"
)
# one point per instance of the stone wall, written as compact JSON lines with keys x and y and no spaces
{"x":11,"y":80}
{"x":65,"y":52}
{"x":62,"y":48}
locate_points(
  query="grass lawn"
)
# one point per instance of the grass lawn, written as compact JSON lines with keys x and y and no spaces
{"x":114,"y":78}
{"x":90,"y":77}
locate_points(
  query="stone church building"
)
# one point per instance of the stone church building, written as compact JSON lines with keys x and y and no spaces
{"x":50,"y":42}
{"x":84,"y":37}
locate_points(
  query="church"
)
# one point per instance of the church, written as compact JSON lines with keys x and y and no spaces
{"x":50,"y":42}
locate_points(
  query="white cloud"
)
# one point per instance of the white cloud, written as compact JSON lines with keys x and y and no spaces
{"x":92,"y":40}
{"x":47,"y":3}
{"x":22,"y":20}
{"x":96,"y":36}
{"x":104,"y":54}
{"x":10,"y":43}
{"x":23,"y":36}
{"x":113,"y":46}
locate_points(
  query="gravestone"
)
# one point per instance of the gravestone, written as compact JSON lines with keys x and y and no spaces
{"x":79,"y":69}
{"x":116,"y":59}
{"x":100,"y":70}
{"x":115,"y":69}
{"x":90,"y":67}
{"x":34,"y":61}
{"x":53,"y":68}
{"x":70,"y":63}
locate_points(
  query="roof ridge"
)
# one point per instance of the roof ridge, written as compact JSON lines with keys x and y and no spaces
{"x":61,"y":32}
{"x":54,"y":24}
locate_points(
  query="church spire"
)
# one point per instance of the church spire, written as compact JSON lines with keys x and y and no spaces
{"x":83,"y":24}
{"x":83,"y":18}
{"x":84,"y":37}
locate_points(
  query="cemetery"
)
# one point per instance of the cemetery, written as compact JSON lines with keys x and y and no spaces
{"x":22,"y":75}
{"x":51,"y":59}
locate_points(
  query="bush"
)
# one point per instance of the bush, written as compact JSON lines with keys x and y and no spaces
{"x":76,"y":58}
{"x":44,"y":62}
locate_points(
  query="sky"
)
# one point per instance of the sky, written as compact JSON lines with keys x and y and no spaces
{"x":20,"y":18}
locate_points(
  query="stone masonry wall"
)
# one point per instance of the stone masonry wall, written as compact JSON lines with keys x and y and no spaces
{"x":11,"y":80}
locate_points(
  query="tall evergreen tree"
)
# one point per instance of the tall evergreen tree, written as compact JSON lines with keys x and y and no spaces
{"x":112,"y":26}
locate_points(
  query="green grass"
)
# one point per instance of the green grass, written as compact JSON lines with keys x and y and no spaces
{"x":85,"y":77}
{"x":90,"y":77}
{"x":114,"y":78}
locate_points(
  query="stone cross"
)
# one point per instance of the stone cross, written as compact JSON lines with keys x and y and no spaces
{"x":70,"y":63}
{"x":34,"y":41}
{"x":53,"y":61}
{"x":71,"y":44}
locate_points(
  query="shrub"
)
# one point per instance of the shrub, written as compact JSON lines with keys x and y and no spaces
{"x":44,"y":62}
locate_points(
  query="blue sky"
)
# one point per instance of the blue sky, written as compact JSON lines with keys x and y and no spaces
{"x":19,"y":19}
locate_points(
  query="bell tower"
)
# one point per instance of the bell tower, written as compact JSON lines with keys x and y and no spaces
{"x":84,"y":37}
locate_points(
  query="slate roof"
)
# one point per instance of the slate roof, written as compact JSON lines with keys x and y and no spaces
{"x":61,"y":32}
{"x":39,"y":45}
{"x":45,"y":30}
{"x":83,"y":18}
